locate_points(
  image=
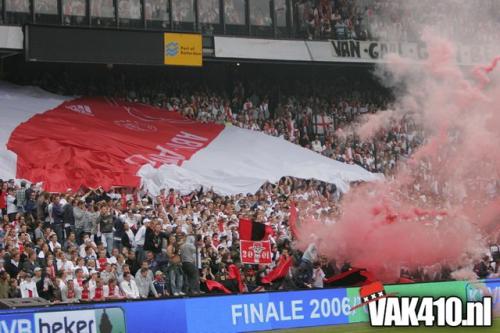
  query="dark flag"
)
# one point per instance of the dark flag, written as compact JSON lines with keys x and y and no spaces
{"x":352,"y":277}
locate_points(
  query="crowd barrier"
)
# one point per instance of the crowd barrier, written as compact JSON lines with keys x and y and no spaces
{"x":231,"y":313}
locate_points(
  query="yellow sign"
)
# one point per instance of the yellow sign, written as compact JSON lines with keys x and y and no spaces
{"x":183,"y":49}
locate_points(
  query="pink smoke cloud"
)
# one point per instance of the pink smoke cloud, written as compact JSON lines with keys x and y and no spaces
{"x":446,"y":214}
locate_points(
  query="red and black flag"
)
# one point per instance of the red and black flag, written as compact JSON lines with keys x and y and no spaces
{"x":211,"y":285}
{"x":279,"y":271}
{"x":352,"y":277}
{"x":254,"y":231}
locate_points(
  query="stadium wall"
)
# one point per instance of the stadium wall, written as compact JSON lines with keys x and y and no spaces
{"x":235,"y":313}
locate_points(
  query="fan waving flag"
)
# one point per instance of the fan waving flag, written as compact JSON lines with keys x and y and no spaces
{"x":280,"y":271}
{"x":91,"y":142}
{"x":352,"y":277}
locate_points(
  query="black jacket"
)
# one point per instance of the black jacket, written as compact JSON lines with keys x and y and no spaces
{"x":153,"y":242}
{"x":106,"y":223}
{"x":68,"y":216}
{"x":126,"y":242}
{"x":12,"y":269}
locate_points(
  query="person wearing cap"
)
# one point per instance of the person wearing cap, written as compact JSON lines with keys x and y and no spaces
{"x":37,"y":274}
{"x":160,"y":284}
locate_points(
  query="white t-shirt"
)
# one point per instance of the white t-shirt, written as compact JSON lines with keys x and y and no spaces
{"x":28,"y":289}
{"x":11,"y":208}
{"x":318,"y":276}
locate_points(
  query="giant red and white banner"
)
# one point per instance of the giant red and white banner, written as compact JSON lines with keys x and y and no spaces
{"x":72,"y":142}
{"x":255,"y":252}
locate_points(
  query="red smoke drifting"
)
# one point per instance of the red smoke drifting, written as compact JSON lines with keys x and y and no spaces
{"x":442,"y":205}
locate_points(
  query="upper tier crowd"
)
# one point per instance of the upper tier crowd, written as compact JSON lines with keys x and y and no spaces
{"x":95,"y":245}
{"x":386,"y":20}
{"x":390,"y":20}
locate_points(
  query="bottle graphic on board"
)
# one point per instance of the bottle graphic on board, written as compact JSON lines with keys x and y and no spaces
{"x":105,"y":325}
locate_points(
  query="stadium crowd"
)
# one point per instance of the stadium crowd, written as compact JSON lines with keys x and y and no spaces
{"x":386,"y":20}
{"x":94,"y":245}
{"x":390,"y":20}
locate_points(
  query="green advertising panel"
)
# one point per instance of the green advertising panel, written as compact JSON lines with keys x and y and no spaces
{"x":434,"y":289}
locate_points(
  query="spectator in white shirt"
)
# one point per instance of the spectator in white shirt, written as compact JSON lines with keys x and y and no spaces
{"x":11,"y":206}
{"x":54,"y":244}
{"x":140,"y":238}
{"x":69,"y":292}
{"x":317,"y":146}
{"x":129,"y":287}
{"x":111,"y":290}
{"x":318,"y":275}
{"x":28,"y":287}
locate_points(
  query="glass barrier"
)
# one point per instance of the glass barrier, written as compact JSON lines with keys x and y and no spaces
{"x":280,"y":12}
{"x":157,"y":13}
{"x":17,"y":11}
{"x":46,"y":11}
{"x":183,"y":15}
{"x":103,"y":12}
{"x":270,"y":18}
{"x":234,"y":12}
{"x":209,"y":17}
{"x":235,"y":17}
{"x":209,"y":11}
{"x":261,"y":22}
{"x":130,"y":13}
{"x":74,"y":12}
{"x":260,"y":13}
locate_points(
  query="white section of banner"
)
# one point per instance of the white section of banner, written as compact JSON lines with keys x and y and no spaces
{"x":350,"y":51}
{"x":11,"y":37}
{"x":17,"y":105}
{"x":241,"y":161}
{"x":252,"y":48}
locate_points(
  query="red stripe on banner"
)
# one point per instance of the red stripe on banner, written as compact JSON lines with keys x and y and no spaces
{"x":245,"y":229}
{"x":91,"y":142}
